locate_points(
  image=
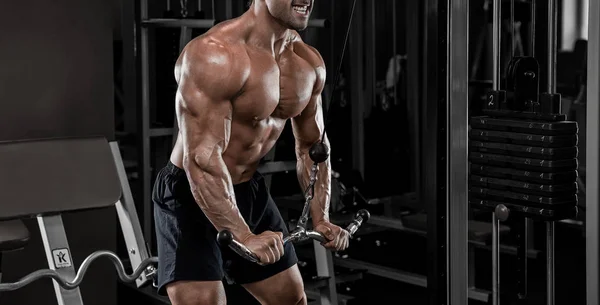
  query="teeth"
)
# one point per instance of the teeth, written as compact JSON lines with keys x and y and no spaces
{"x":301,"y":9}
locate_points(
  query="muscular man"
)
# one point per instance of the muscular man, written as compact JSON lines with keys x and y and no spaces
{"x":238,"y":84}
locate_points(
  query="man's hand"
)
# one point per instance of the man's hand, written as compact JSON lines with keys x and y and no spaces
{"x":268,"y":246}
{"x":338,"y":238}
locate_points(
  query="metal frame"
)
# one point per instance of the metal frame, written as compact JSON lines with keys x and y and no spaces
{"x":551,"y":68}
{"x":433,"y":169}
{"x":325,"y":268}
{"x":457,"y":160}
{"x":144,"y":127}
{"x":496,"y":79}
{"x":130,"y":50}
{"x":413,"y":52}
{"x":128,"y":218}
{"x":58,"y":252}
{"x":59,"y":257}
{"x":593,"y":151}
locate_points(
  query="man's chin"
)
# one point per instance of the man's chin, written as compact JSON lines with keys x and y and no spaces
{"x":299,"y":27}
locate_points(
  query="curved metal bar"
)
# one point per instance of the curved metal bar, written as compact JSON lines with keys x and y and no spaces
{"x":69,"y":285}
{"x":225,"y":238}
{"x":316,"y":236}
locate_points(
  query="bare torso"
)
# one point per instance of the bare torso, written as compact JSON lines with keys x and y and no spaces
{"x":279,"y":86}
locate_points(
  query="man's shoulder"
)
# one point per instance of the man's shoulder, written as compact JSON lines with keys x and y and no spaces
{"x":211,"y":44}
{"x":212,"y":52}
{"x":213,"y":60}
{"x":308,"y":52}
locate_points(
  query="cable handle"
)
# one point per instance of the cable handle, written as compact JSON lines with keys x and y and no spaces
{"x":225,"y":238}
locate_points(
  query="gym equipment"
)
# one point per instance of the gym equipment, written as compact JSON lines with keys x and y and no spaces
{"x":72,"y":174}
{"x":523,"y":155}
{"x":300,"y":233}
{"x":69,"y":285}
{"x":592,"y":152}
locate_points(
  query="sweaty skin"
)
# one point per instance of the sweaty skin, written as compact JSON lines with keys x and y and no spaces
{"x":238,"y":84}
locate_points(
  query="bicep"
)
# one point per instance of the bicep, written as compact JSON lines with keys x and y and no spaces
{"x":205,"y":125}
{"x":309,"y":125}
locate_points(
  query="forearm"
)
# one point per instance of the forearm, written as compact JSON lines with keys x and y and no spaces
{"x":319,"y":207}
{"x":213,"y":190}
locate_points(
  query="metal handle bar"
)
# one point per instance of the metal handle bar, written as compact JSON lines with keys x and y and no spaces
{"x":225,"y":238}
{"x":145,"y":265}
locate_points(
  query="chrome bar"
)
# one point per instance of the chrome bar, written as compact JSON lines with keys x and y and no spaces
{"x":552,"y":38}
{"x":550,"y":263}
{"x":512,"y":29}
{"x":495,"y":260}
{"x":532,"y":27}
{"x":496,"y":39}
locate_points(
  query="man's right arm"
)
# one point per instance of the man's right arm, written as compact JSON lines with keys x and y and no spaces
{"x":207,"y":81}
{"x":209,"y":76}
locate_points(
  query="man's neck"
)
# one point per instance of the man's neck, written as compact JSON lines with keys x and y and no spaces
{"x":266,"y":31}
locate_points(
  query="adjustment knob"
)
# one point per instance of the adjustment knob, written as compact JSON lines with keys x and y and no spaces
{"x":502,"y":212}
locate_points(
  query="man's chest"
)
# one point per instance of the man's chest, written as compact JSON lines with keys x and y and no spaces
{"x":280,"y":88}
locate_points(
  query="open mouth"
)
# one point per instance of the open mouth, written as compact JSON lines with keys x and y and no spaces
{"x":301,"y":9}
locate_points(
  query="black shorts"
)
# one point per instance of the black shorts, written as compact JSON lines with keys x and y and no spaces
{"x":187,"y":245}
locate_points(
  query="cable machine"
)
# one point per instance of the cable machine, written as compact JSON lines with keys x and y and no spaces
{"x":523,"y":153}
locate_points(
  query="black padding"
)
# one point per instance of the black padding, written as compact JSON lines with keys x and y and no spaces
{"x":13,"y":235}
{"x":55,"y":176}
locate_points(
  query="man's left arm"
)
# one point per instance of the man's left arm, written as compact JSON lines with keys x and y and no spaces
{"x":308,"y":129}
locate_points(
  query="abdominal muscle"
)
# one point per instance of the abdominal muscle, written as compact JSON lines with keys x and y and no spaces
{"x":247,"y":146}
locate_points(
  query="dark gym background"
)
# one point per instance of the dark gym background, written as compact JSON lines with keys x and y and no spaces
{"x":64,"y":73}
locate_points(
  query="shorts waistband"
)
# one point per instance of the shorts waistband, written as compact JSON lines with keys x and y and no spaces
{"x":172,"y":169}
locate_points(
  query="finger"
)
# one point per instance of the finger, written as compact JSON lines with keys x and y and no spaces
{"x":280,"y":236}
{"x":275,"y":248}
{"x":281,"y":247}
{"x":339,"y":240}
{"x":329,"y":245}
{"x":275,"y":254}
{"x":340,"y":243}
{"x":327,"y":232}
{"x":345,"y":240}
{"x":271,"y":255}
{"x":264,"y":259}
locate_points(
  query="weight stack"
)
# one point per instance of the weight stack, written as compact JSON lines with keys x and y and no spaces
{"x":526,"y":161}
